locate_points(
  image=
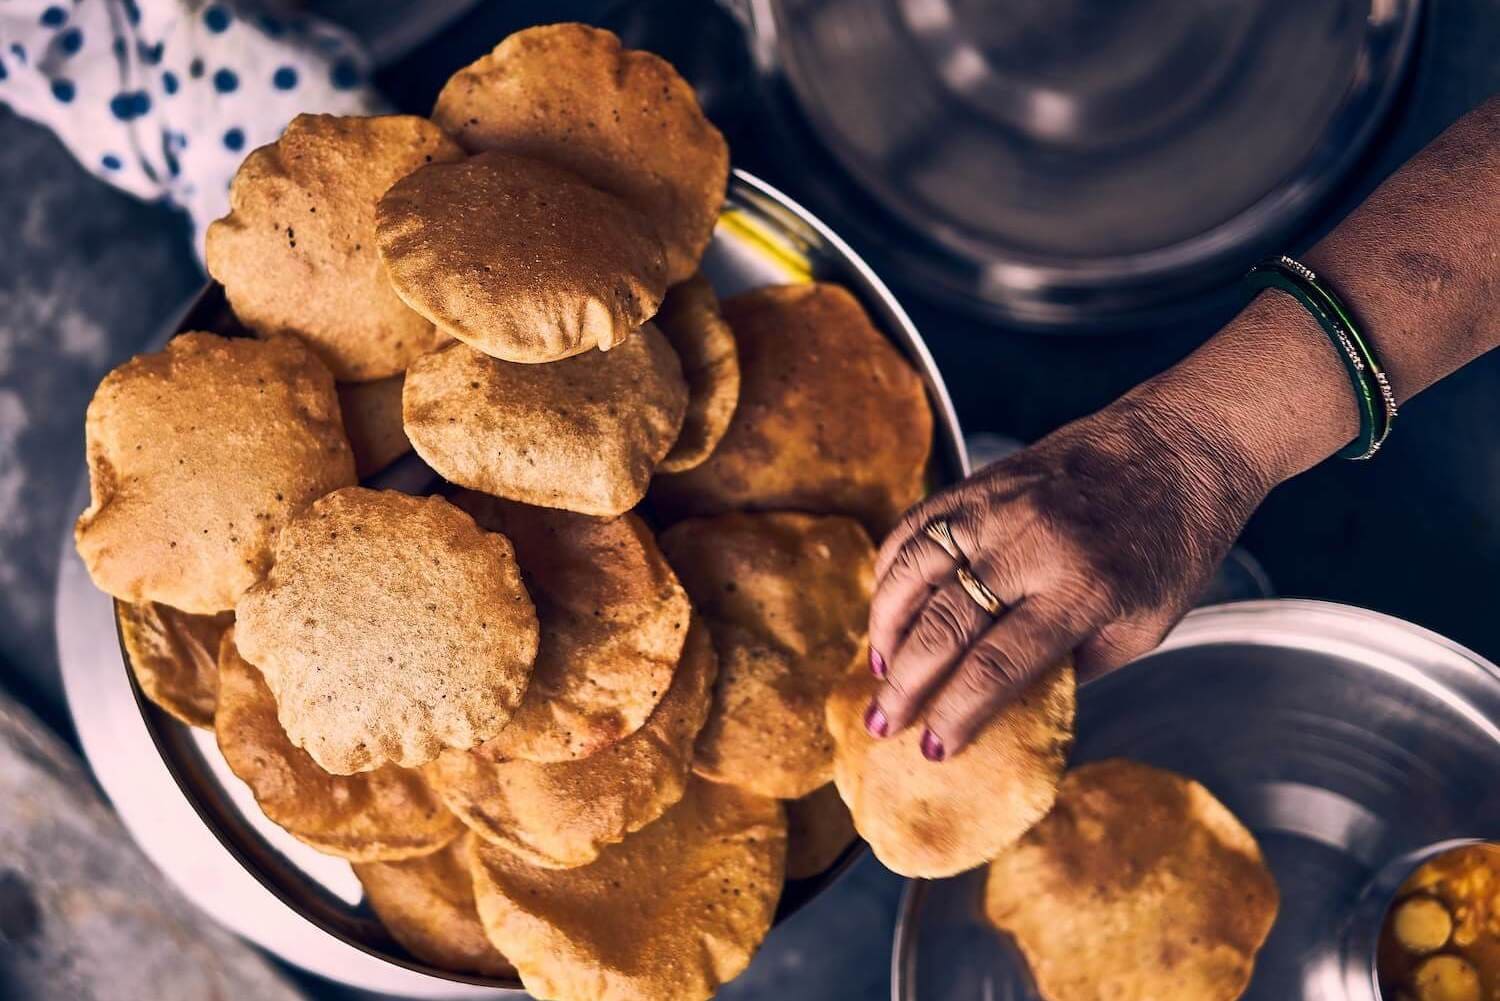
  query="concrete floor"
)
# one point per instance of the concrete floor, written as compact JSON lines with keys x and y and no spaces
{"x":87,"y":275}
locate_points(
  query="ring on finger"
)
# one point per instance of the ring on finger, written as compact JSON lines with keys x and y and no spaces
{"x":979,"y":591}
{"x":939,"y":531}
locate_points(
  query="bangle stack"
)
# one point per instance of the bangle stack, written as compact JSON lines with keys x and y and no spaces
{"x":1372,"y":389}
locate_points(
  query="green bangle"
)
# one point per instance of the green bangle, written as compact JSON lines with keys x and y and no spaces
{"x":1372,"y":388}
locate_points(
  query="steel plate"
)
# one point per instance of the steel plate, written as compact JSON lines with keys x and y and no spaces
{"x":1075,"y":163}
{"x":198,"y":822}
{"x":1344,"y":740}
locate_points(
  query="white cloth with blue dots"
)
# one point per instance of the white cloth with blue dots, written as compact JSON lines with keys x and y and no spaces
{"x":164,"y":98}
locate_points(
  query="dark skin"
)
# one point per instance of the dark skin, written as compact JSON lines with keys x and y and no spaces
{"x":1099,"y":537}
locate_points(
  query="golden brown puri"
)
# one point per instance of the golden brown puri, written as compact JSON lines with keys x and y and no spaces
{"x":1138,"y":886}
{"x":175,"y":657}
{"x":372,"y":420}
{"x":389,"y":813}
{"x":831,"y":418}
{"x":613,"y":619}
{"x":930,"y":821}
{"x":389,"y":628}
{"x":297,"y":253}
{"x":673,"y":911}
{"x":583,"y":434}
{"x":786,"y":598}
{"x":819,"y":828}
{"x":624,"y":120}
{"x":427,"y":904}
{"x":690,"y":321}
{"x":518,"y":258}
{"x":559,"y":816}
{"x":197,"y":455}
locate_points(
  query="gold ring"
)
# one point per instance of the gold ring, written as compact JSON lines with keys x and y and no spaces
{"x":939,"y":531}
{"x":976,"y":589}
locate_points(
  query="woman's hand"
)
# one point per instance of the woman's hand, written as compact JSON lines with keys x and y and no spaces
{"x":1096,"y":539}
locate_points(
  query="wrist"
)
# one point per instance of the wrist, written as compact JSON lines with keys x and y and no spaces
{"x":1268,"y":395}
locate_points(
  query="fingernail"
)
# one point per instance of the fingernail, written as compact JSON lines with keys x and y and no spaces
{"x":932,"y":747}
{"x":877,"y":663}
{"x":875,"y":721}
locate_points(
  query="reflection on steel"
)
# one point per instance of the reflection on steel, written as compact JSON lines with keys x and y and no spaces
{"x":1071,"y":162}
{"x":1349,"y":742}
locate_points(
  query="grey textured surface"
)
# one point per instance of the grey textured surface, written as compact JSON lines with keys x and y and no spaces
{"x":83,"y":916}
{"x":87,"y":275}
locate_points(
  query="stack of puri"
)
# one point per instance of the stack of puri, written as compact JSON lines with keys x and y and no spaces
{"x":523,"y":708}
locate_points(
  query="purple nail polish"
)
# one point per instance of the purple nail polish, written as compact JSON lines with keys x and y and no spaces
{"x":932,"y":747}
{"x":875,"y":721}
{"x":877,"y":663}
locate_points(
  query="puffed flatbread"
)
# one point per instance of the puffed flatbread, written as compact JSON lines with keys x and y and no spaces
{"x":613,"y":621}
{"x":831,"y":418}
{"x":931,"y":820}
{"x":175,"y":658}
{"x":560,"y":816}
{"x":673,"y":911}
{"x":819,"y":828}
{"x":297,"y":252}
{"x":584,"y":434}
{"x":372,"y":420}
{"x":389,"y":628}
{"x":691,"y":322}
{"x":427,"y":904}
{"x":1138,"y":886}
{"x":622,"y":119}
{"x":786,"y":597}
{"x":388,"y":813}
{"x":520,"y":259}
{"x":197,"y":455}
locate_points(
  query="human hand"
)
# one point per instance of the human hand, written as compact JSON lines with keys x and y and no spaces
{"x":1096,"y":540}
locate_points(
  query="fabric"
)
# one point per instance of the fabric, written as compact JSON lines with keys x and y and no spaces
{"x":163,"y":98}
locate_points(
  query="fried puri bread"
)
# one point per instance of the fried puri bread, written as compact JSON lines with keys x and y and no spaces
{"x":673,"y":911}
{"x":389,"y":628}
{"x":691,"y":322}
{"x":623,"y":120}
{"x":561,"y":815}
{"x":427,"y":904}
{"x":518,"y":258}
{"x":613,"y":620}
{"x":927,"y":820}
{"x":831,"y":418}
{"x":297,"y":252}
{"x":388,"y":813}
{"x":1138,"y":886}
{"x":785,"y":596}
{"x":175,"y":658}
{"x":372,"y":420}
{"x":583,"y":434}
{"x":818,"y":829}
{"x":197,"y":455}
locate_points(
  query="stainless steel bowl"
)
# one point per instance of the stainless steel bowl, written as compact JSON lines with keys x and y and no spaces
{"x":1344,"y":739}
{"x":200,"y":825}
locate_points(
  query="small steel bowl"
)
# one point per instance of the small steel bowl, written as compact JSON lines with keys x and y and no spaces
{"x":199,"y":823}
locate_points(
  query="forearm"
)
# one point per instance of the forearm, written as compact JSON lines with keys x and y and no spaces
{"x":1418,"y":262}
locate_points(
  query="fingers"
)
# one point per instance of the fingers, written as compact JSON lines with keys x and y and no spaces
{"x":911,"y":529}
{"x":918,"y":567}
{"x":940,"y":631}
{"x":1026,"y":640}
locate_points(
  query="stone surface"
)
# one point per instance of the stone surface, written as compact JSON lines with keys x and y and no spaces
{"x":83,"y":915}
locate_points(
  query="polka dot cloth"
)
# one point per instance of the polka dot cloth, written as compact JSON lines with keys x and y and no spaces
{"x":164,"y":98}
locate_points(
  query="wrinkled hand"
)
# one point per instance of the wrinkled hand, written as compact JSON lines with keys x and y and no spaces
{"x":1096,"y":539}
